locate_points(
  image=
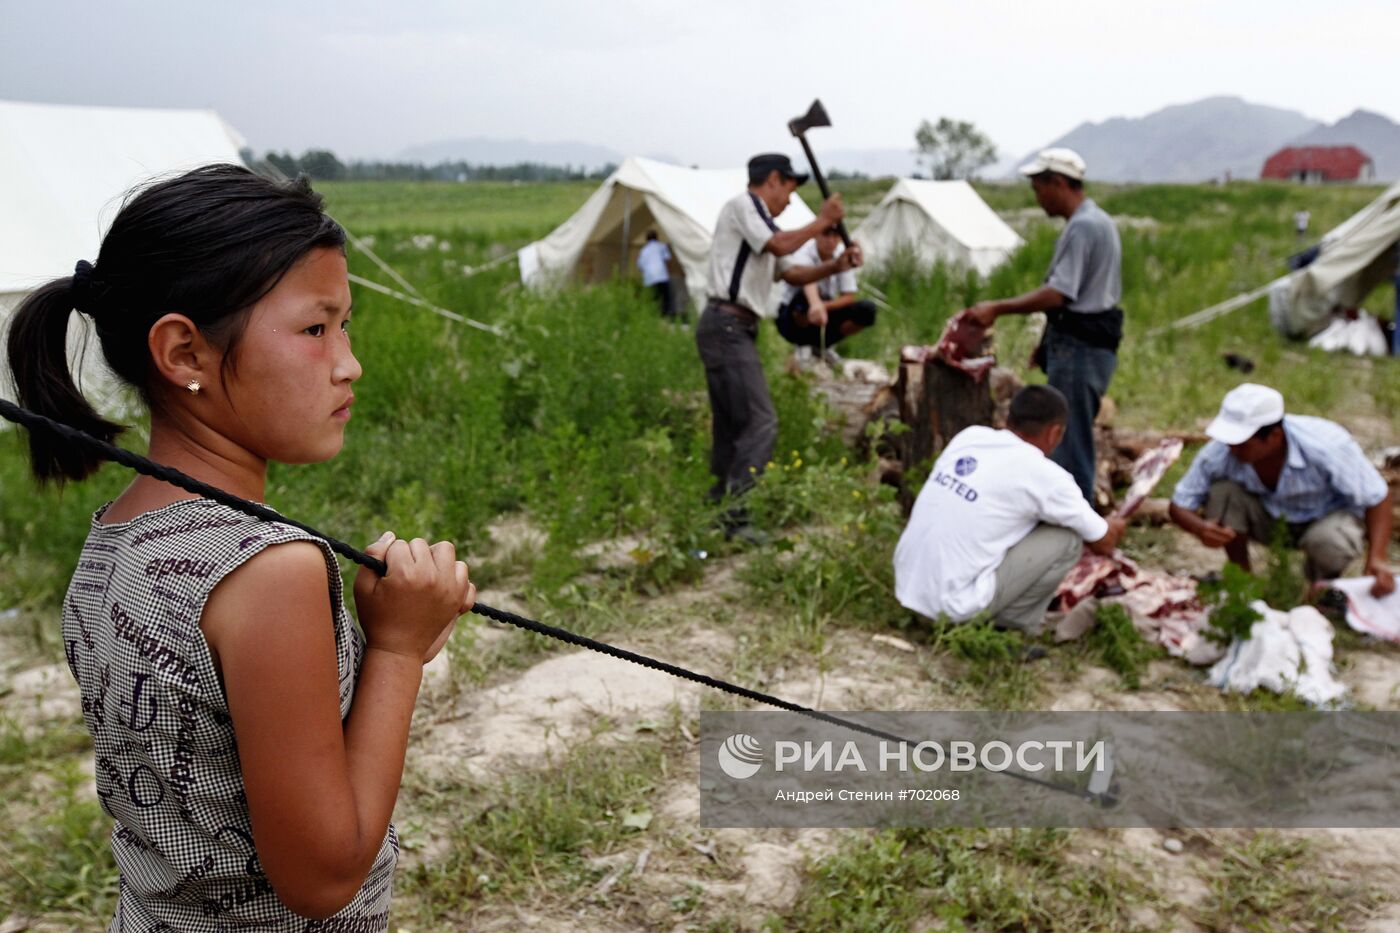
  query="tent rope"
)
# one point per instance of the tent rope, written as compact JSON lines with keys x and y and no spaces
{"x":443,"y":312}
{"x":34,"y":421}
{"x":1214,"y":311}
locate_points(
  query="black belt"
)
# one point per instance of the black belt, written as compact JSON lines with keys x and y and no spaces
{"x":733,"y":310}
{"x":1102,"y":329}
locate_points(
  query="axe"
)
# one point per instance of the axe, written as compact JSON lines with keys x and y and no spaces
{"x":798,"y":126}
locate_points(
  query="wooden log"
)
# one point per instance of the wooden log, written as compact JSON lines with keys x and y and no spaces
{"x":955,"y":401}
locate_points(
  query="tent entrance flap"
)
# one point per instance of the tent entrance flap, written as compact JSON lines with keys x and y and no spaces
{"x":611,"y":249}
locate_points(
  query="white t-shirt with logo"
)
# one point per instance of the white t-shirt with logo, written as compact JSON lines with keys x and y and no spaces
{"x":988,"y":490}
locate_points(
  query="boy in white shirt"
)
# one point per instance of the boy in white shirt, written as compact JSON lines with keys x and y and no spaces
{"x":999,"y":524}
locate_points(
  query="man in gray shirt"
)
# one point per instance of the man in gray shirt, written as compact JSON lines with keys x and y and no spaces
{"x":1080,"y":297}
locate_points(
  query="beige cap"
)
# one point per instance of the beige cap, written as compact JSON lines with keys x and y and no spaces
{"x":1064,"y":161}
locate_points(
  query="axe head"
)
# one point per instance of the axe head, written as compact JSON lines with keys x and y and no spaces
{"x":815,"y":116}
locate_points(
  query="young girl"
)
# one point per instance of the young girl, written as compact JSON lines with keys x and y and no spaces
{"x":249,"y":741}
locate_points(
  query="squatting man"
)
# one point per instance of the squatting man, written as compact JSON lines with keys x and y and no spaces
{"x":999,"y":524}
{"x":1263,"y":467}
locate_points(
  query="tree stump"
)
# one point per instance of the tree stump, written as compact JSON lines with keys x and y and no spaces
{"x":936,"y":401}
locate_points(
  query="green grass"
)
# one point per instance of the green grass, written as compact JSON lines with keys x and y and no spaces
{"x":1118,"y":645}
{"x":55,"y":859}
{"x":500,"y":209}
{"x":963,"y":880}
{"x":1272,"y":882}
{"x":590,"y":420}
{"x":530,"y":838}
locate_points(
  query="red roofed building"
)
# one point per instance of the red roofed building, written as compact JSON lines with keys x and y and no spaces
{"x":1319,"y":163}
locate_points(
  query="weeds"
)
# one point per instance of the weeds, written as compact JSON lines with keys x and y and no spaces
{"x":1115,"y":640}
{"x":994,"y":665}
{"x":1273,"y":882}
{"x":56,"y":856}
{"x":963,"y":880}
{"x":1280,"y":587}
{"x":532,"y":835}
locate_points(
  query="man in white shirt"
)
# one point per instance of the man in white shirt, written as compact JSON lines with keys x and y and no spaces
{"x":822,"y":314}
{"x":651,"y":260}
{"x":999,"y":524}
{"x":743,"y":266}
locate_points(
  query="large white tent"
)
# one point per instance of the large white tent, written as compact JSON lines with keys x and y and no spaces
{"x":938,"y":221}
{"x":681,"y":204}
{"x":63,"y":173}
{"x":1352,"y":259}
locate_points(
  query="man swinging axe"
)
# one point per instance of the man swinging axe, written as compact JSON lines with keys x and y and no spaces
{"x":744,"y":262}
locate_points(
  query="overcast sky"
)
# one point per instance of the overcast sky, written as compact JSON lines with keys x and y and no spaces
{"x":707,"y":82}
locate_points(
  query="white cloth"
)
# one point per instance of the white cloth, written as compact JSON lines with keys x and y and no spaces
{"x":1366,"y":613}
{"x":1285,"y":652}
{"x":742,"y":272}
{"x":987,"y":491}
{"x":1361,"y":337}
{"x":652,"y":259}
{"x":831,"y":287}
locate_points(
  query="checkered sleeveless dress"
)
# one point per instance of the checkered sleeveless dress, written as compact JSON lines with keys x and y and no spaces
{"x":167,"y":761}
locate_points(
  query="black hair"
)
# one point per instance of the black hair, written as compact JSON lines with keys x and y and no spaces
{"x":651,"y":234}
{"x":208,"y":244}
{"x":1266,"y":430}
{"x":1075,"y":184}
{"x":1035,"y":408}
{"x":758,"y":174}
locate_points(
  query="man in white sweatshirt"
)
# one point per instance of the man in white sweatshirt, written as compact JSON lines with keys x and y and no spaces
{"x":999,"y":524}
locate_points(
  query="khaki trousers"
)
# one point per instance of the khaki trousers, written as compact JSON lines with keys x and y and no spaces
{"x":1328,"y":544}
{"x":1030,"y":574}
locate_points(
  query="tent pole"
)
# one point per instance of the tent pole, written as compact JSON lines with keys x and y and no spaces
{"x":626,"y":226}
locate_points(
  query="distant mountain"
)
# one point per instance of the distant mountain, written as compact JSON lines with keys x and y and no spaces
{"x":1372,"y":133}
{"x":1187,"y":142}
{"x":482,"y":151}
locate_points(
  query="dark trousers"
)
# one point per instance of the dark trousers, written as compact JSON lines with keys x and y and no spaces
{"x":662,"y":291}
{"x":809,"y":335}
{"x":744,"y":426}
{"x":1081,"y":372}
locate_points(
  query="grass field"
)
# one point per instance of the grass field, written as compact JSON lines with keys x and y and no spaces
{"x":587,"y":423}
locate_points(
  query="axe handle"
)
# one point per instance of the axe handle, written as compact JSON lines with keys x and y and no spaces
{"x":821,"y":183}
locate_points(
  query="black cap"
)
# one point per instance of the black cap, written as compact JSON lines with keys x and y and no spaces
{"x":763,"y":165}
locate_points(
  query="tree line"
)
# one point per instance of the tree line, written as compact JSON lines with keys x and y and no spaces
{"x":948,"y":149}
{"x":324,"y":165}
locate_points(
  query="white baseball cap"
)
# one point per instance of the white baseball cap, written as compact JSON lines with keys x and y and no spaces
{"x":1064,"y":161}
{"x":1246,"y":408}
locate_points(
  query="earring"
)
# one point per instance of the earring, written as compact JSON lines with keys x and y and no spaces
{"x":193,"y":386}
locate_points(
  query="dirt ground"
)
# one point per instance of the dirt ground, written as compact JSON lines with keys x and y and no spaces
{"x":522,"y":719}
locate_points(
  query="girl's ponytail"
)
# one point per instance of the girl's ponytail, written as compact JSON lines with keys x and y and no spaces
{"x":38,"y":356}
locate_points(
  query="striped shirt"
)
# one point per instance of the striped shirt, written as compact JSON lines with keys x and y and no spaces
{"x":166,"y":755}
{"x":1325,"y":472}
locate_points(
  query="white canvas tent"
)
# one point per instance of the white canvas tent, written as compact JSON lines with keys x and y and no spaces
{"x":1353,"y":258}
{"x":939,"y":221}
{"x":681,"y":204}
{"x":63,"y":173}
